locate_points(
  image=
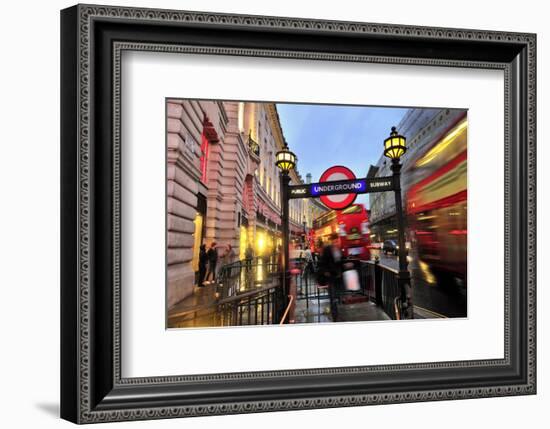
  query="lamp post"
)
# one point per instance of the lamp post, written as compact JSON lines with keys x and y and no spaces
{"x":285,"y":160}
{"x":394,"y":148}
{"x":304,"y":224}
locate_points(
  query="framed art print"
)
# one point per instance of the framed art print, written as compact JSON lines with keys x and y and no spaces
{"x":266,"y":213}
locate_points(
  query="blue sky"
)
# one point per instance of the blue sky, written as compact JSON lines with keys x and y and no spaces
{"x":324,"y":135}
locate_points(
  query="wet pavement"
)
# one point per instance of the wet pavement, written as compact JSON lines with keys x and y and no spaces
{"x":197,"y":310}
{"x":430,"y":300}
{"x":316,"y":309}
{"x":313,"y":311}
{"x":319,"y":312}
{"x":200,"y":309}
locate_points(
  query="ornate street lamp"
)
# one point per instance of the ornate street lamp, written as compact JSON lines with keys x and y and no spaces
{"x":285,"y":160}
{"x":395,"y":147}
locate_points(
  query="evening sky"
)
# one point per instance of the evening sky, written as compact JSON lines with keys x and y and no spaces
{"x":325,"y":135}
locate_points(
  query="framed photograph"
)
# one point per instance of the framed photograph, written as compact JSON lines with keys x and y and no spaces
{"x":266,"y":213}
{"x":225,"y":241}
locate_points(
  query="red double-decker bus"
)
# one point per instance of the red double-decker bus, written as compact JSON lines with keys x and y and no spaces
{"x":437,"y":207}
{"x":352,"y":226}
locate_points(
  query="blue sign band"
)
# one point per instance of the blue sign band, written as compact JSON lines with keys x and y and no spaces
{"x":330,"y":188}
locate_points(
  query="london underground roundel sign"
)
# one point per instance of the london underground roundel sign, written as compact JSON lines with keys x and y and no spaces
{"x":338,"y":201}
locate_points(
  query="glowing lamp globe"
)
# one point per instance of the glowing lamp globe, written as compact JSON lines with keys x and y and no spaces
{"x":395,"y":145}
{"x":285,"y":159}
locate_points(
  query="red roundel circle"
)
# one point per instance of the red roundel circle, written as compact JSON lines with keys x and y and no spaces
{"x":340,"y":201}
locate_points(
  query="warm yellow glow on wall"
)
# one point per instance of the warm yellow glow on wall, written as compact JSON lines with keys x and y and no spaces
{"x":271,"y":243}
{"x":197,"y":241}
{"x":260,"y":243}
{"x":243,"y":242}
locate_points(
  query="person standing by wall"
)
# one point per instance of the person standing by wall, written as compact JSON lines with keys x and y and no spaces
{"x":229,"y":256}
{"x":212,"y":256}
{"x":203,"y":262}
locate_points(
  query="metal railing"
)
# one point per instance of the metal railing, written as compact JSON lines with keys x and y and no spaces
{"x":245,"y":276}
{"x":250,"y":293}
{"x":253,"y":145}
{"x":265,"y":306}
{"x":381,"y":285}
{"x":304,"y":275}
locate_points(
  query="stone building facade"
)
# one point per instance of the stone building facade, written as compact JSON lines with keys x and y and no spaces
{"x":223,"y":185}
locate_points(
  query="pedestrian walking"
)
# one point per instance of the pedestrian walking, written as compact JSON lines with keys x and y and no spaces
{"x":308,"y":267}
{"x":212,"y":256}
{"x":330,"y":266}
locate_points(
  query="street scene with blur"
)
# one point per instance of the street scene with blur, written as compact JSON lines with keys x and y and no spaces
{"x":288,"y":213}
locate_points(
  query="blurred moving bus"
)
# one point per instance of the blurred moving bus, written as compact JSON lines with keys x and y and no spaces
{"x":352,"y":226}
{"x":437,"y":207}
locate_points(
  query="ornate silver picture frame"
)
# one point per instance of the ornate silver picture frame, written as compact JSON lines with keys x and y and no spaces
{"x":92,"y":40}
